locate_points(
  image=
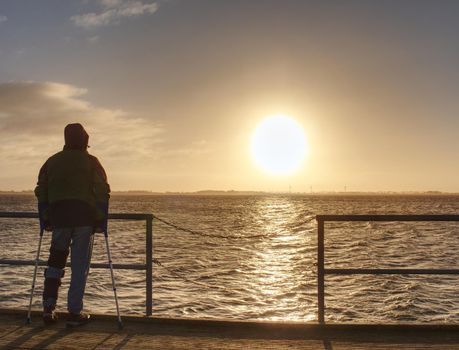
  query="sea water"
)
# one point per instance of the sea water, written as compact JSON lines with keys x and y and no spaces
{"x":255,"y":257}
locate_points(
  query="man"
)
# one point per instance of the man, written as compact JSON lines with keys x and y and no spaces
{"x":73,"y":194}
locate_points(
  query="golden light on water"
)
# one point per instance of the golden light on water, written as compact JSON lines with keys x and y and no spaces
{"x":279,"y":145}
{"x":277,"y":268}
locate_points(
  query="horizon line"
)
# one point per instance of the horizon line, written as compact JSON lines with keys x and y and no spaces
{"x":254,"y":192}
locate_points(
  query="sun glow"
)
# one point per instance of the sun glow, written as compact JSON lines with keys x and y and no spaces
{"x":279,"y":145}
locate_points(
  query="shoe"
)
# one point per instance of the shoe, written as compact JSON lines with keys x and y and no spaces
{"x":49,"y":316}
{"x":75,"y":320}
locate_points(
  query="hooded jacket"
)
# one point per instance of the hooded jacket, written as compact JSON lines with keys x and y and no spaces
{"x":73,"y":183}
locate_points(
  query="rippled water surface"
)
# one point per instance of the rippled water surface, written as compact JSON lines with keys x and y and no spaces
{"x":266,"y":269}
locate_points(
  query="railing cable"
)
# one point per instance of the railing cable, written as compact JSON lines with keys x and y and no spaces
{"x":202,"y":234}
{"x":198,"y":233}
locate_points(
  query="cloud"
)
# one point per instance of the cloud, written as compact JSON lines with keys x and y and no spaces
{"x":34,"y":114}
{"x":113,"y":11}
{"x":3,"y":18}
{"x":133,"y":150}
{"x":111,"y":3}
{"x":93,"y":39}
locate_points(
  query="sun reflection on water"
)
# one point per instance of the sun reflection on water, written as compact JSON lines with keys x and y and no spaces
{"x":275,"y":264}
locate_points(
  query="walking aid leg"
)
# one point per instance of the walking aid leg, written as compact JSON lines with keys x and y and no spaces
{"x":29,"y":320}
{"x":120,"y":323}
{"x":91,"y":245}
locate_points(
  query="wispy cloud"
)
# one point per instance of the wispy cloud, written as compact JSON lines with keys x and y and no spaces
{"x":3,"y":18}
{"x":33,"y":115}
{"x":133,"y":150}
{"x":113,"y":11}
{"x":93,"y":39}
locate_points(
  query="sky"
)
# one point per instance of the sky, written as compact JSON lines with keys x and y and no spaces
{"x":171,"y":91}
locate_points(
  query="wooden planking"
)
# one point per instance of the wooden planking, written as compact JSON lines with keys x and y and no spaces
{"x":178,"y":334}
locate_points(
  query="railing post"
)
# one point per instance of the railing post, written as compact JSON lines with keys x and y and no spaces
{"x":149,"y":267}
{"x":320,"y":271}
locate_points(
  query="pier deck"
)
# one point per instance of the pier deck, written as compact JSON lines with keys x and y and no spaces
{"x":162,"y":333}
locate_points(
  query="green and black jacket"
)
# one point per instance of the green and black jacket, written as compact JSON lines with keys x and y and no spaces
{"x":74,"y":184}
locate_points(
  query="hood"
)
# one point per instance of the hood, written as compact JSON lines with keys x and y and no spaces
{"x":76,"y":137}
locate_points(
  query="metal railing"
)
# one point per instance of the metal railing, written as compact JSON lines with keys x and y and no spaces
{"x":322,"y":271}
{"x":148,"y":266}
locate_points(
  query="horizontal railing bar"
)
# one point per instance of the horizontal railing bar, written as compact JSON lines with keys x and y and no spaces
{"x":115,"y":216}
{"x":392,"y":271}
{"x":93,"y":265}
{"x":433,"y":217}
{"x":132,"y":216}
{"x":25,"y":215}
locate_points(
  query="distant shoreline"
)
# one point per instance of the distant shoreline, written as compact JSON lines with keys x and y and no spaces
{"x":261,"y":193}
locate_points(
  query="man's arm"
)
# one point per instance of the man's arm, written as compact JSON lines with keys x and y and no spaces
{"x":102,"y":194}
{"x":41,"y":192}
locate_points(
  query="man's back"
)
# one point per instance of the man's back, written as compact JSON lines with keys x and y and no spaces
{"x":70,"y":176}
{"x":72,"y":182}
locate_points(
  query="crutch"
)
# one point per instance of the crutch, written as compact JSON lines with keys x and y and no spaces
{"x":91,"y":245}
{"x":34,"y":277}
{"x":120,"y":323}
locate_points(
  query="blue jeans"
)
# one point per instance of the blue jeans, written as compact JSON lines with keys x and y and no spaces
{"x":79,"y":240}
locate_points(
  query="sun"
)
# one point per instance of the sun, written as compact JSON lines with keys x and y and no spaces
{"x":279,"y":145}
